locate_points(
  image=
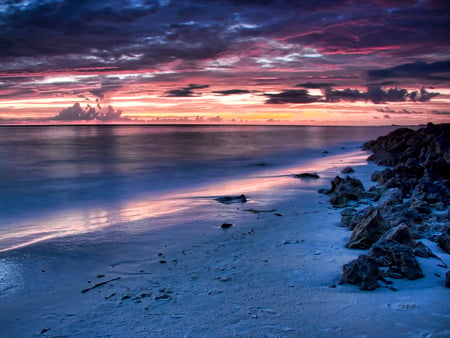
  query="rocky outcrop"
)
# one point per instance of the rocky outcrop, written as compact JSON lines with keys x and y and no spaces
{"x":408,"y":193}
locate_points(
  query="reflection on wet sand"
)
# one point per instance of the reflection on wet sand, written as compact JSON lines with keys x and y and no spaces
{"x":78,"y":221}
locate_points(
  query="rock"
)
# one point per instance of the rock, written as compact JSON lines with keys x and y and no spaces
{"x":385,"y":158}
{"x":444,"y":240}
{"x":391,"y":196}
{"x":447,"y":279}
{"x":345,"y":190}
{"x":399,"y":234}
{"x":347,"y":170}
{"x":399,"y":258}
{"x":226,"y":225}
{"x":368,"y":230}
{"x":232,"y":199}
{"x":374,"y":193}
{"x":381,"y":177}
{"x":307,"y":175}
{"x":362,"y":272}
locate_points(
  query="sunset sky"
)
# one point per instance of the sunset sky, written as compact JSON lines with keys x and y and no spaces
{"x":327,"y":62}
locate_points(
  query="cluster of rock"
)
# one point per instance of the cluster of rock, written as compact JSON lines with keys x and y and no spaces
{"x":409,"y":202}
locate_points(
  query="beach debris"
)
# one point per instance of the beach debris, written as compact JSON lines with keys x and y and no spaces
{"x":307,"y":176}
{"x":257,"y":211}
{"x":347,"y":170}
{"x":100,"y":284}
{"x":110,"y":296}
{"x":232,"y":199}
{"x":226,"y":225}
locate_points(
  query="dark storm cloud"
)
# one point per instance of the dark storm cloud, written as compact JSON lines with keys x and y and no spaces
{"x":375,"y":94}
{"x":117,"y":35}
{"x":292,"y":96}
{"x":413,"y":70}
{"x":185,"y":91}
{"x":231,"y":92}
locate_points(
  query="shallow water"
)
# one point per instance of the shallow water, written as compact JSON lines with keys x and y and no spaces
{"x":81,"y":178}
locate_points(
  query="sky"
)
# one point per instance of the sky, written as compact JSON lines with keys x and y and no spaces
{"x":321,"y":62}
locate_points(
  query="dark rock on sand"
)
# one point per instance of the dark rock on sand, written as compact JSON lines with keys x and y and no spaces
{"x":226,"y":225}
{"x":368,"y":230}
{"x":344,"y":190}
{"x":347,"y":170}
{"x":447,"y":279}
{"x":399,"y":258}
{"x":444,"y":240}
{"x":390,"y":197}
{"x":399,"y":234}
{"x":232,"y":199}
{"x":307,"y":175}
{"x":362,"y":272}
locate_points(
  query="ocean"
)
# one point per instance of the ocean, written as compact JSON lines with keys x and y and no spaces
{"x":49,"y":174}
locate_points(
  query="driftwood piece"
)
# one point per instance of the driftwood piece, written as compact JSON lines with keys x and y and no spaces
{"x":99,"y":284}
{"x":257,"y":211}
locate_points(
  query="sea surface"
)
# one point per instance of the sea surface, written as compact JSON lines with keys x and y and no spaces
{"x":50,"y":172}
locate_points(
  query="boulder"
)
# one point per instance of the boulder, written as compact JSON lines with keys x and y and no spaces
{"x":399,"y":234}
{"x":307,"y":175}
{"x":391,"y":196}
{"x":347,"y":170}
{"x":362,"y":272}
{"x":344,"y":190}
{"x":398,"y":257}
{"x":368,"y":230}
{"x":232,"y":199}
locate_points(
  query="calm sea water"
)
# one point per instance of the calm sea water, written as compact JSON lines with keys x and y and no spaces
{"x":49,"y":169}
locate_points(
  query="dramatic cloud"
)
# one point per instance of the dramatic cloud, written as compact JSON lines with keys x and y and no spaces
{"x":186,"y":91}
{"x":77,"y":113}
{"x":437,"y":70}
{"x":374,"y":94}
{"x":140,"y":53}
{"x":292,"y":96}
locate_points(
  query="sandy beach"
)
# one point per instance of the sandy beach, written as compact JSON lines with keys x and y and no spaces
{"x":273,"y":273}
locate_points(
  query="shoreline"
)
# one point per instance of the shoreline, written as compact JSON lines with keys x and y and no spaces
{"x":266,"y":275}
